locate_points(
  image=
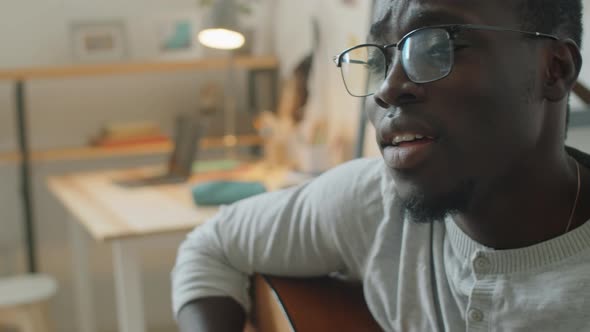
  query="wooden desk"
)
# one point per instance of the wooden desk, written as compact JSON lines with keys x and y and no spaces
{"x":124,"y":217}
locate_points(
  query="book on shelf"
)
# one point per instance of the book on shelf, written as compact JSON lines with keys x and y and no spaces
{"x":129,"y":134}
{"x":121,"y":142}
{"x":130,"y":130}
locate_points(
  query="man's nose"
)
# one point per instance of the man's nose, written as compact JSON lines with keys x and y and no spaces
{"x":397,"y":89}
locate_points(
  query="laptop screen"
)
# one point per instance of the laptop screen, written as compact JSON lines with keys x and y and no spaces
{"x":187,"y":133}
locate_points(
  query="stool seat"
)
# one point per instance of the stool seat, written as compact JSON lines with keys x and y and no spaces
{"x":23,"y":302}
{"x":26,"y":289}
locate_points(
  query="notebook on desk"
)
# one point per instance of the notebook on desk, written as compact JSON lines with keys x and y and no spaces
{"x":187,"y":134}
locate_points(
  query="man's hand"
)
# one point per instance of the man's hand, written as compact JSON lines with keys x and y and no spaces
{"x":213,"y":314}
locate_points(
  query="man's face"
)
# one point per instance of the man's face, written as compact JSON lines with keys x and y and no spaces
{"x":479,"y":123}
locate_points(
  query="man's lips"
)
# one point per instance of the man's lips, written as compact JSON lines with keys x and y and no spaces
{"x":407,"y":140}
{"x":408,"y":155}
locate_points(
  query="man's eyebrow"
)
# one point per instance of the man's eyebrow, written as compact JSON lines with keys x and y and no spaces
{"x":435,"y":17}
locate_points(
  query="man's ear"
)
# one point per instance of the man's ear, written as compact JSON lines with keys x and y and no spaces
{"x":563,"y":68}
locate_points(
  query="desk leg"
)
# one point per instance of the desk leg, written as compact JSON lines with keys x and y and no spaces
{"x":128,"y":287}
{"x":82,"y":277}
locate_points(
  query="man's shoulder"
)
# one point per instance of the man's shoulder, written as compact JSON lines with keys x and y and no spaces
{"x":356,"y":176}
{"x":359,"y":169}
{"x":353,"y":185}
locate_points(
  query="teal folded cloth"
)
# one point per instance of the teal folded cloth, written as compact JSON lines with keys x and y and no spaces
{"x":225,"y":192}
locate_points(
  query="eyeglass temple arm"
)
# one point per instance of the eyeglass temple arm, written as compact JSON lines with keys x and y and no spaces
{"x":582,"y":91}
{"x":338,"y":63}
{"x":490,"y":28}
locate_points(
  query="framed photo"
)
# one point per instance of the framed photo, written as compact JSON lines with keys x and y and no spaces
{"x":99,"y":41}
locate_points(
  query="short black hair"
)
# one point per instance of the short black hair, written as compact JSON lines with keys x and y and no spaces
{"x":560,"y":17}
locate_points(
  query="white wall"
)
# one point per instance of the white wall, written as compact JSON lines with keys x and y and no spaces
{"x":37,"y":32}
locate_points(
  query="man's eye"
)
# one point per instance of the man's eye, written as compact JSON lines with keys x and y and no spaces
{"x":372,"y":64}
{"x":460,"y":46}
{"x":438,"y":51}
{"x":375,"y":63}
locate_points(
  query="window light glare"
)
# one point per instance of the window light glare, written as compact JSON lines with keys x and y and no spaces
{"x":221,"y":39}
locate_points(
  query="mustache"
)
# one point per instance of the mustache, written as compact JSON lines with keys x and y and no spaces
{"x":411,"y":118}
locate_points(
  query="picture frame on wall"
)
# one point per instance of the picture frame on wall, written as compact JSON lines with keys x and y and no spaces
{"x":99,"y":41}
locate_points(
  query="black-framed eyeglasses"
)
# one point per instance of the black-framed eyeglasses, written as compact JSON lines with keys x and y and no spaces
{"x":427,"y":55}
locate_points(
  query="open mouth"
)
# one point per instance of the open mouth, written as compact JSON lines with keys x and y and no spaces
{"x":409,"y":139}
{"x":408,"y":151}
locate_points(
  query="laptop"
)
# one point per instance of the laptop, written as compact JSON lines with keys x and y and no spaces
{"x":187,"y":134}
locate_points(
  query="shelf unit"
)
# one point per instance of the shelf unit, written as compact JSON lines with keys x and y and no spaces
{"x":24,"y":156}
{"x":95,"y":152}
{"x":239,"y":62}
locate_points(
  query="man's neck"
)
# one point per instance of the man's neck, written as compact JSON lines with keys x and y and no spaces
{"x":527,"y":208}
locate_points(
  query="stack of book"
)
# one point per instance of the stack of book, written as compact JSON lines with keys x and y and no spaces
{"x":126,"y":134}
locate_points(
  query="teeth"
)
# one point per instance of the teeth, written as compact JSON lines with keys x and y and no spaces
{"x":406,"y":138}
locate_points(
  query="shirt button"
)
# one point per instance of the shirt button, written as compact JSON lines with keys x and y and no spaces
{"x":475,"y":315}
{"x":482,"y":265}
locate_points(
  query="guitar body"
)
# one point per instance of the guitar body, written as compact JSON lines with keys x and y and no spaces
{"x":310,"y":305}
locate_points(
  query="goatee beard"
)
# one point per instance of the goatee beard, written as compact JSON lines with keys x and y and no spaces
{"x":423,"y":208}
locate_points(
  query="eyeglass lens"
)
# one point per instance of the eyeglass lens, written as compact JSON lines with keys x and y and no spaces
{"x":426,"y":56}
{"x":363,"y":70}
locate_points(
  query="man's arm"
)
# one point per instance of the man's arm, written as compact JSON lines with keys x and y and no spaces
{"x":278,"y":233}
{"x":212,"y":314}
{"x":307,"y":231}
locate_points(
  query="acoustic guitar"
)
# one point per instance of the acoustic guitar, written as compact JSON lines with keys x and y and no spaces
{"x":310,"y":305}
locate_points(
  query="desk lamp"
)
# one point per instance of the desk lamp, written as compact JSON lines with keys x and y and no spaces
{"x":222,"y":33}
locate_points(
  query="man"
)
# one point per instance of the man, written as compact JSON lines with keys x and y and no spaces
{"x":476,"y":219}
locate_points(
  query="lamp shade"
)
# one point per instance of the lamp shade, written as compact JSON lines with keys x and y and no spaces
{"x":221,"y":31}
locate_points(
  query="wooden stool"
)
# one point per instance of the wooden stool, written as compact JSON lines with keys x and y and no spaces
{"x":23,"y":302}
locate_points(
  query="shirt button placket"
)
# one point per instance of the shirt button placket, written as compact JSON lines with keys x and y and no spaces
{"x":482,"y":265}
{"x":475,"y":315}
{"x":481,"y":294}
